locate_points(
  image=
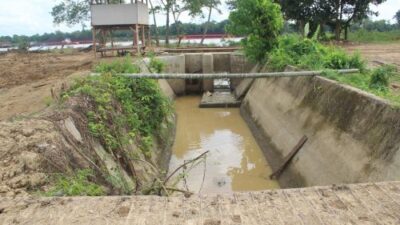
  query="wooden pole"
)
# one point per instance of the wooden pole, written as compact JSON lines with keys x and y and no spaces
{"x":112,"y":42}
{"x":148,"y":36}
{"x":143,"y":36}
{"x":94,"y":42}
{"x":137,"y":39}
{"x":231,"y":75}
{"x":289,"y":158}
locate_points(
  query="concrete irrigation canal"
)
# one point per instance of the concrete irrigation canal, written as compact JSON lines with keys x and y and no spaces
{"x":334,"y":150}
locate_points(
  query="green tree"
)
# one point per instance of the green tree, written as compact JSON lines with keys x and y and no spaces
{"x":353,"y":11}
{"x":210,"y":4}
{"x":176,"y":8}
{"x":260,"y":21}
{"x":302,"y":11}
{"x":397,"y":17}
{"x":72,"y":12}
{"x":23,"y":43}
{"x":338,"y":14}
{"x":154,"y":10}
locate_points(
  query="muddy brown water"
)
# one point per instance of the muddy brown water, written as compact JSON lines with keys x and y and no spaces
{"x":235,"y":161}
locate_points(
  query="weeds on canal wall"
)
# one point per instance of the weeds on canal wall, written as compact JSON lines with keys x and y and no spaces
{"x":78,"y":184}
{"x":122,"y":104}
{"x":376,"y":81}
{"x":156,"y":65}
{"x":125,"y":115}
{"x":309,"y":54}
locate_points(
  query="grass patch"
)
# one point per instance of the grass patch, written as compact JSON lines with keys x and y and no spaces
{"x":364,"y":36}
{"x":79,"y":184}
{"x":48,"y":101}
{"x":364,"y":82}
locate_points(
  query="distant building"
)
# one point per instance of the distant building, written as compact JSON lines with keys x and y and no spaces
{"x":5,"y":44}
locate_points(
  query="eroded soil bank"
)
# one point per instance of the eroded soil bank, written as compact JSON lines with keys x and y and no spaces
{"x":97,"y":139}
{"x":234,"y":162}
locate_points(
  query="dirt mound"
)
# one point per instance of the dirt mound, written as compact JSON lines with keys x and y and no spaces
{"x":58,"y":141}
{"x":23,"y":68}
{"x":30,"y":150}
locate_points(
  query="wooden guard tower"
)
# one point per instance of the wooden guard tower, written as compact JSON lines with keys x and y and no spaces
{"x":106,"y":18}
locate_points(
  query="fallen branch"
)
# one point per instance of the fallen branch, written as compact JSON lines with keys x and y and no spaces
{"x":187,"y":193}
{"x":184,"y":165}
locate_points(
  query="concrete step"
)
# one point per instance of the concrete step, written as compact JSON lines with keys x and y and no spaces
{"x":219,"y":99}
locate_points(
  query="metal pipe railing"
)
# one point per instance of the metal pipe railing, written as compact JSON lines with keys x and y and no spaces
{"x":229,"y":75}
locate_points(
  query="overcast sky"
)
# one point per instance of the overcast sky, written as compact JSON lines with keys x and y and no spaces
{"x":28,"y":17}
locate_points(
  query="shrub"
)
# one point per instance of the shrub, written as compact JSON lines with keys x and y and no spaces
{"x":380,"y":77}
{"x":23,"y":44}
{"x":260,"y":21}
{"x":310,"y":54}
{"x":118,"y":66}
{"x":156,"y":65}
{"x":279,"y":59}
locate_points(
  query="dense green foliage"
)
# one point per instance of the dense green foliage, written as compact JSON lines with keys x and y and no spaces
{"x":71,"y":12}
{"x":397,"y":17}
{"x":156,"y":65}
{"x":310,"y":54}
{"x":124,"y":110}
{"x":380,"y":77}
{"x":337,"y":15}
{"x":260,"y":21}
{"x":78,"y":184}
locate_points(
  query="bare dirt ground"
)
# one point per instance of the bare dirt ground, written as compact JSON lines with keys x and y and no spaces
{"x":378,"y":54}
{"x":334,"y":205}
{"x":26,"y":80}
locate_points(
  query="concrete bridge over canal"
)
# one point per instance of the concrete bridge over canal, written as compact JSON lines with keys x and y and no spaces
{"x":374,"y":203}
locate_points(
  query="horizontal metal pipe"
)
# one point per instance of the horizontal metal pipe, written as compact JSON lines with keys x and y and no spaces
{"x":228,"y":75}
